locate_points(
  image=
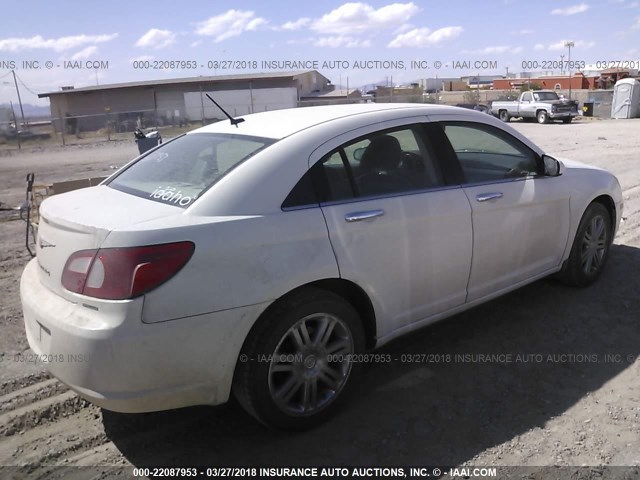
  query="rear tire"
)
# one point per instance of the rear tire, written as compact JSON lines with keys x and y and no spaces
{"x":503,"y":115}
{"x":567,"y":120}
{"x":295,"y":368}
{"x":590,"y":248}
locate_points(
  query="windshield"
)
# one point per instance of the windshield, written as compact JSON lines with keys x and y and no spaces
{"x":179,"y":171}
{"x":543,"y":96}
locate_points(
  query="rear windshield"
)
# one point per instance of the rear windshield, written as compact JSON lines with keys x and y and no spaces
{"x":179,"y":171}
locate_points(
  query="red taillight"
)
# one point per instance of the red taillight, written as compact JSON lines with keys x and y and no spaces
{"x":122,"y":273}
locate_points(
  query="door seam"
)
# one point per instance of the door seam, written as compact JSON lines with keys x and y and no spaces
{"x":473,"y":241}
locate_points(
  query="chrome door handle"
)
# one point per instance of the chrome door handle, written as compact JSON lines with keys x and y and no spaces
{"x":483,"y":197}
{"x":359,"y":216}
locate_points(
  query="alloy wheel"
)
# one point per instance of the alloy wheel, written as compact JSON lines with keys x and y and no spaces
{"x":594,"y":245}
{"x":311,"y":364}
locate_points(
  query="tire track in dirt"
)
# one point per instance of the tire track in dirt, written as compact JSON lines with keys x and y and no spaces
{"x":43,"y":420}
{"x":44,"y":424}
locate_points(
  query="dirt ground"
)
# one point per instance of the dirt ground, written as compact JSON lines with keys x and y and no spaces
{"x":571,"y":398}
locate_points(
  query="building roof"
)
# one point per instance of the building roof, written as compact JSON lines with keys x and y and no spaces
{"x":343,"y":92}
{"x":180,"y":81}
{"x":610,"y":71}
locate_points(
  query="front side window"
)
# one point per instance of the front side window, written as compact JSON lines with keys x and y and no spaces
{"x":487,"y":154}
{"x":181,"y":170}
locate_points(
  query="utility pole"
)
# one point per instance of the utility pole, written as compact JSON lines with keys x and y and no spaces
{"x":561,"y":64}
{"x":569,"y":44}
{"x":202,"y":105}
{"x":15,"y":122}
{"x":19,"y":99}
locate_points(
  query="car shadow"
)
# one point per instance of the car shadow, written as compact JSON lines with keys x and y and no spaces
{"x":440,"y":410}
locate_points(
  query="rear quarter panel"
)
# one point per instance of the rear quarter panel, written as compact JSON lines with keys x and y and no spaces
{"x":238,"y":261}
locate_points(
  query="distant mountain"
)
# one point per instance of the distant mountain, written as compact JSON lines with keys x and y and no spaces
{"x":30,"y":111}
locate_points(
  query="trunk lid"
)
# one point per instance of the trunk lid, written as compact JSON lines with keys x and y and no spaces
{"x":81,"y":220}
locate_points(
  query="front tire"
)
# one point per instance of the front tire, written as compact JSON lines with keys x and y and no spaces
{"x":590,"y":248}
{"x":295,"y":367}
{"x":542,"y":116}
{"x":504,"y":116}
{"x":567,"y":120}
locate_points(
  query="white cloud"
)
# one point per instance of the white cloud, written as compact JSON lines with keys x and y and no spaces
{"x":636,"y":26}
{"x":572,"y":10}
{"x":296,"y":41}
{"x":85,"y":53}
{"x":156,"y":38}
{"x":142,"y":58}
{"x":341,"y":41}
{"x":353,"y":18}
{"x":297,"y":24}
{"x":56,"y":44}
{"x":255,"y":23}
{"x":494,"y":50}
{"x":229,"y":24}
{"x":196,"y":43}
{"x":538,"y":46}
{"x":423,"y":37}
{"x":405,"y":27}
{"x":577,"y":44}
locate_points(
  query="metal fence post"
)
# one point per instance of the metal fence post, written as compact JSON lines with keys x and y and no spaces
{"x":62,"y":126}
{"x":15,"y":122}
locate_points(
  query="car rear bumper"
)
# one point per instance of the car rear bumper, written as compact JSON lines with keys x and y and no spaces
{"x":109,"y":357}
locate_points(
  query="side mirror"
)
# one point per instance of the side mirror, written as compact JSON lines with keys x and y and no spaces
{"x":552,"y":167}
{"x":358,"y":153}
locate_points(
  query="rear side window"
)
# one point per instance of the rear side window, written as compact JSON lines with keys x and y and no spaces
{"x":178,"y":172}
{"x":387,"y":162}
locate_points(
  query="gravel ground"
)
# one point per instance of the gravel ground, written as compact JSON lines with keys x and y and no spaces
{"x":570,"y":394}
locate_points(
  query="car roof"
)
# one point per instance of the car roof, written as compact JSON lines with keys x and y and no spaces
{"x":282,"y":123}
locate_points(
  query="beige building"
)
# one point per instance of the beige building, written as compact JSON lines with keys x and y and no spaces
{"x":125,"y":106}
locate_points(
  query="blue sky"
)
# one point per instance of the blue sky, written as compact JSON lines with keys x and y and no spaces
{"x":505,"y":31}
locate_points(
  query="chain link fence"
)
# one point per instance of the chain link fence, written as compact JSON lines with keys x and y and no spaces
{"x":66,"y":129}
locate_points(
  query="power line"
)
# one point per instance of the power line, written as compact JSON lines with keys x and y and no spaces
{"x":5,"y":75}
{"x":27,"y":88}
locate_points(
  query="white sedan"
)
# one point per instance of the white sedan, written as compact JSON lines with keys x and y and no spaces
{"x":262,"y":258}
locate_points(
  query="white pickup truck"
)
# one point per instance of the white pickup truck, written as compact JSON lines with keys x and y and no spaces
{"x":542,"y":105}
